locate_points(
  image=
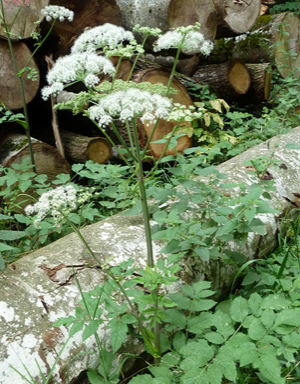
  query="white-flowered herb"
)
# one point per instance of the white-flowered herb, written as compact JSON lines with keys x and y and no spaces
{"x":55,"y":12}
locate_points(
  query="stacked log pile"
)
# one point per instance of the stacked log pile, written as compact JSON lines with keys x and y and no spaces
{"x":233,"y":71}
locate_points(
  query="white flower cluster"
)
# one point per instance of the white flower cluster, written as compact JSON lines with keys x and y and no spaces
{"x":129,"y":104}
{"x":102,"y":36}
{"x":76,"y":67}
{"x":190,"y":41}
{"x":53,"y":12}
{"x":57,"y":202}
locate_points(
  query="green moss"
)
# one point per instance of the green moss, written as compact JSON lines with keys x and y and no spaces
{"x":223,"y":48}
{"x":262,"y":21}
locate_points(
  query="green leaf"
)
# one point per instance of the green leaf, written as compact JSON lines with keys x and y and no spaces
{"x":91,"y":329}
{"x":269,"y":366}
{"x":267,"y":318}
{"x":175,"y":317}
{"x":223,"y":323}
{"x":128,"y":319}
{"x":258,"y":226}
{"x":254,"y":303}
{"x":94,"y":378}
{"x":76,"y":327}
{"x":214,"y":338}
{"x":239,"y":309}
{"x":202,"y":252}
{"x":256,"y":330}
{"x":292,"y":146}
{"x":199,"y":323}
{"x":227,"y":366}
{"x":229,"y":227}
{"x":182,"y":301}
{"x":5,"y":247}
{"x":203,"y":304}
{"x":196,"y":354}
{"x":179,"y":340}
{"x":161,"y":372}
{"x":11,"y":235}
{"x":118,"y":333}
{"x":288,"y":317}
{"x":276,"y":301}
{"x":254,"y":193}
{"x":2,"y":263}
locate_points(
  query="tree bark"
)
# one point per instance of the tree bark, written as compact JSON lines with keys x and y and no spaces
{"x":79,"y":148}
{"x":188,"y":12}
{"x":236,"y":16}
{"x":28,"y":12}
{"x":10,"y":93}
{"x":159,"y":75}
{"x":260,"y":86}
{"x":227,"y":80}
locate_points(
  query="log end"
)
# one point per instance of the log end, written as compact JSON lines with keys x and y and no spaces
{"x":239,"y":78}
{"x":99,"y":150}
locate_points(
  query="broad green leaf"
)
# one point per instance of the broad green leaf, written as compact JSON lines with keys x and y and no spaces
{"x":90,"y":329}
{"x":198,"y":324}
{"x":202,"y":252}
{"x":161,"y":372}
{"x":276,"y":302}
{"x":270,"y":367}
{"x":182,"y":301}
{"x":258,"y":226}
{"x":179,"y":340}
{"x":239,"y":309}
{"x":256,"y":330}
{"x":253,"y":194}
{"x":227,"y":366}
{"x":288,"y":317}
{"x":203,"y":304}
{"x":8,"y":235}
{"x":76,"y":327}
{"x":254,"y":302}
{"x":175,"y":317}
{"x":229,"y":227}
{"x":214,"y":338}
{"x":194,"y":376}
{"x":118,"y":333}
{"x":196,"y":354}
{"x":94,"y":378}
{"x":128,"y":319}
{"x":2,"y":263}
{"x":5,"y":247}
{"x":223,"y":323}
{"x":214,"y":373}
{"x":267,"y":318}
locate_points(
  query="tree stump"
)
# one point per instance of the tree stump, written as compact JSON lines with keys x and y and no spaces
{"x":79,"y":148}
{"x":154,"y":76}
{"x":188,"y":12}
{"x":227,"y":80}
{"x":10,"y":93}
{"x":24,"y":24}
{"x":235,"y":17}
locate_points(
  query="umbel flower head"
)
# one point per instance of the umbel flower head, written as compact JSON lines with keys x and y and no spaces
{"x":129,"y":104}
{"x":100,"y":37}
{"x":76,"y":67}
{"x":57,"y":202}
{"x":53,"y":12}
{"x":186,"y":38}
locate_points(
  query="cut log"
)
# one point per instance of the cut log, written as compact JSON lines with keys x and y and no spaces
{"x":10,"y":93}
{"x":87,"y":14}
{"x":79,"y":148}
{"x":227,"y":80}
{"x":28,"y":13}
{"x":14,"y":149}
{"x":235,"y":17}
{"x":188,"y":12}
{"x":153,"y":14}
{"x":260,"y":86}
{"x":154,"y":76}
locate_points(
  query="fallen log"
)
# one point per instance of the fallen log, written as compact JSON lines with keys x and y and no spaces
{"x":228,"y":80}
{"x":87,"y":14}
{"x":79,"y":148}
{"x":154,"y":76}
{"x":23,"y":14}
{"x":10,"y":93}
{"x":189,"y":12}
{"x":260,"y":87}
{"x":40,"y":288}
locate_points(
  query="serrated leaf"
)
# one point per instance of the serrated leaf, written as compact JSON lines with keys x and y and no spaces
{"x":223,"y":323}
{"x":258,"y":226}
{"x":214,"y":373}
{"x":276,"y":301}
{"x":198,"y":324}
{"x":182,"y":301}
{"x":118,"y":333}
{"x":196,"y":354}
{"x":161,"y":372}
{"x":175,"y":317}
{"x":203,"y":304}
{"x":239,"y":309}
{"x":8,"y":235}
{"x":270,"y":367}
{"x":202,"y":252}
{"x":76,"y":327}
{"x":254,"y":301}
{"x":94,"y":378}
{"x":5,"y":247}
{"x":267,"y":318}
{"x":90,"y":329}
{"x":229,"y":227}
{"x":2,"y":263}
{"x":193,"y":376}
{"x":227,"y":366}
{"x":179,"y":340}
{"x":288,"y":317}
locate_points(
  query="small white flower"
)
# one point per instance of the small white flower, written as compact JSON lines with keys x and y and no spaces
{"x":100,"y":37}
{"x":129,"y":104}
{"x":57,"y":202}
{"x":76,"y":67}
{"x":53,"y":12}
{"x":188,"y":39}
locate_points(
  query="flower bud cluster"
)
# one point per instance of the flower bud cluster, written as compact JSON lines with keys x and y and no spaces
{"x":53,"y":12}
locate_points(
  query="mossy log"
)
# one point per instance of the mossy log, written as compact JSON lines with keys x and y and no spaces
{"x":235,"y":17}
{"x":188,"y":12}
{"x":10,"y":92}
{"x":23,"y":14}
{"x":79,"y":148}
{"x":163,"y":128}
{"x":227,"y":80}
